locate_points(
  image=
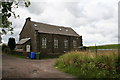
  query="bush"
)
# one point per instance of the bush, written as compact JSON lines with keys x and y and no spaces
{"x":7,"y":50}
{"x":4,"y":46}
{"x":88,"y":65}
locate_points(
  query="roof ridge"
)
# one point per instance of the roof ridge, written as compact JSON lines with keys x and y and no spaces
{"x":50,"y":24}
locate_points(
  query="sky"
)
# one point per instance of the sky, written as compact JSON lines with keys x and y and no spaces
{"x":95,"y":20}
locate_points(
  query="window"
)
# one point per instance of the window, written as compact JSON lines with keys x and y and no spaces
{"x":55,"y":43}
{"x":35,"y":25}
{"x":44,"y":42}
{"x":60,"y":29}
{"x":74,"y":44}
{"x":66,"y":43}
{"x":66,"y":30}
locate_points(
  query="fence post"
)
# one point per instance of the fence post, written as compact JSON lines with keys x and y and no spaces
{"x":96,"y":50}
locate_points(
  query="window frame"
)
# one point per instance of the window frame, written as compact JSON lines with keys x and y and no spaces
{"x":44,"y":42}
{"x":74,"y":44}
{"x":65,"y":43}
{"x":56,"y":43}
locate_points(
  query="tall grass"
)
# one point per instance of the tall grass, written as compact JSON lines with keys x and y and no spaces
{"x":88,"y":64}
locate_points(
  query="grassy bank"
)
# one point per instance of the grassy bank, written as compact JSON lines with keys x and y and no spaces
{"x":111,"y":46}
{"x":89,"y":65}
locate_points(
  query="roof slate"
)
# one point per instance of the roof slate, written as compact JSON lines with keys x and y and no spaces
{"x":22,"y":41}
{"x":52,"y":29}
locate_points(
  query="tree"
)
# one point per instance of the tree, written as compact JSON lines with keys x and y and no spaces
{"x":11,"y":43}
{"x":0,"y":39}
{"x":7,"y":12}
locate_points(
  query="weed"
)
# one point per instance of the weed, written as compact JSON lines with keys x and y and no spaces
{"x":87,"y":65}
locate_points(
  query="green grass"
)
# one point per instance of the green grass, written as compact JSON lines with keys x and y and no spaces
{"x":19,"y":56}
{"x":15,"y":55}
{"x":111,"y":46}
{"x":88,"y":65}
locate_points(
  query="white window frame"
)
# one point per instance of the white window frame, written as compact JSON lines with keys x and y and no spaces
{"x":74,"y":43}
{"x":44,"y":44}
{"x":65,"y":43}
{"x":55,"y":43}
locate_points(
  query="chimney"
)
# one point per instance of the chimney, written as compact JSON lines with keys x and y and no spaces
{"x":28,"y":19}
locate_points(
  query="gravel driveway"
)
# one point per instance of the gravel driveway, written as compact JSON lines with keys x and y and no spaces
{"x":13,"y":67}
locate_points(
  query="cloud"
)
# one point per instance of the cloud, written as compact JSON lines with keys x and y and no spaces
{"x":95,"y":20}
{"x":36,"y":8}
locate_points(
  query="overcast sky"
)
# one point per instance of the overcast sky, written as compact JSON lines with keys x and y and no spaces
{"x":95,"y":20}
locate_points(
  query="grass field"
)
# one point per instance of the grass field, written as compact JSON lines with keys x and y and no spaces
{"x":110,"y":46}
{"x":88,"y":64}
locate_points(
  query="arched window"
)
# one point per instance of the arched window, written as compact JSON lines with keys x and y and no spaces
{"x":44,"y":42}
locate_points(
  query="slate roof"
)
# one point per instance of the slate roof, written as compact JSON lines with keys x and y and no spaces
{"x":22,"y":41}
{"x":52,"y":29}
